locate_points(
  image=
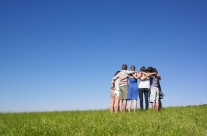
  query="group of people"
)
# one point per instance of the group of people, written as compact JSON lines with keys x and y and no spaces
{"x":125,"y":89}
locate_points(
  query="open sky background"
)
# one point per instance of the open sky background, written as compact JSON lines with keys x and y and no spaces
{"x":61,"y":55}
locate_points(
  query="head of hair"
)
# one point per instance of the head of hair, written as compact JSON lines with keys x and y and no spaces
{"x":155,"y":70}
{"x":132,"y":68}
{"x":150,"y":69}
{"x":124,"y":67}
{"x":116,"y":73}
{"x":143,"y":69}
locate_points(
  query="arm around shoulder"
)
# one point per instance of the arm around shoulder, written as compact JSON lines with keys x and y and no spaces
{"x":116,"y":77}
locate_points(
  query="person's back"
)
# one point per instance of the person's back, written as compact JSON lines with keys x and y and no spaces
{"x":155,"y":82}
{"x":146,"y":82}
{"x":154,"y":96}
{"x":114,"y":94}
{"x":144,"y":87}
{"x":123,"y":82}
{"x":123,"y":87}
{"x":132,"y":89}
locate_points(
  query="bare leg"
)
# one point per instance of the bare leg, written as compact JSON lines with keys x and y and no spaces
{"x":112,"y":104}
{"x":135,"y":105}
{"x":124,"y":105}
{"x":129,"y":106}
{"x":116,"y":105}
{"x":157,"y":106}
{"x":120,"y":105}
{"x":153,"y":106}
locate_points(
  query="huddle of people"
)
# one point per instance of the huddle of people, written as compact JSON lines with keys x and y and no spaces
{"x":125,"y":89}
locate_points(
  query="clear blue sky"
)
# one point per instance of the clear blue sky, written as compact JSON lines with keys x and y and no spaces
{"x":61,"y":55}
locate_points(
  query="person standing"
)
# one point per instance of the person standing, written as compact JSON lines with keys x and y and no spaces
{"x":133,"y":89}
{"x":154,"y":96}
{"x":114,"y":93}
{"x":123,"y":87}
{"x":144,"y":88}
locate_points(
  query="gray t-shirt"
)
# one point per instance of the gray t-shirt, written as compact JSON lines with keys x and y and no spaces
{"x":155,"y":81}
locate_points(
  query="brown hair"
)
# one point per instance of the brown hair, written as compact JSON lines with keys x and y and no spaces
{"x":143,"y":69}
{"x":132,"y":68}
{"x":124,"y":67}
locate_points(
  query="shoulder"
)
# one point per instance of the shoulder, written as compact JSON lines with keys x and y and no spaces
{"x":136,"y":73}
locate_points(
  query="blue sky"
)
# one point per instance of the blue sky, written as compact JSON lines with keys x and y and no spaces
{"x":61,"y":55}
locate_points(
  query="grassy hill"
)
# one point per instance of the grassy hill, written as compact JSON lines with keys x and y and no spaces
{"x":189,"y":121}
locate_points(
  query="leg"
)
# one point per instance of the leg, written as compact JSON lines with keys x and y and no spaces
{"x":141,"y":98}
{"x":116,"y":105}
{"x":153,"y":106}
{"x":157,"y":99}
{"x":129,"y":106}
{"x":146,"y":95}
{"x":135,"y":105}
{"x":160,"y":104}
{"x":153,"y":97}
{"x":112,"y":104}
{"x":124,"y":105}
{"x":121,"y":99}
{"x":157,"y":106}
{"x":125,"y":97}
{"x":120,"y":106}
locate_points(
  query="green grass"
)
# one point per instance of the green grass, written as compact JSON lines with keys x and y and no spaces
{"x":182,"y":121}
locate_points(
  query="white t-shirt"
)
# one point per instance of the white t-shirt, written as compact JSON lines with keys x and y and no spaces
{"x":145,"y":83}
{"x":117,"y":85}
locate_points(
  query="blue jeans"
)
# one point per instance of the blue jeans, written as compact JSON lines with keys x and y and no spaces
{"x":144,"y":91}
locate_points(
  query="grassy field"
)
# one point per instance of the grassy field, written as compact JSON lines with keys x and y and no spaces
{"x":173,"y":121}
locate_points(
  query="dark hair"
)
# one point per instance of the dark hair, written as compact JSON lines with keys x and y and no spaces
{"x":116,"y":73}
{"x":124,"y":67}
{"x":155,"y":70}
{"x":150,"y":69}
{"x":132,"y":67}
{"x":143,"y":69}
